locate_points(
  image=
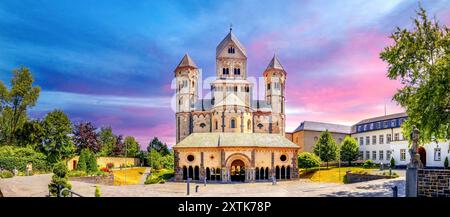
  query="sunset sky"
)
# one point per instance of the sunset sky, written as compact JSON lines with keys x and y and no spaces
{"x":112,"y":62}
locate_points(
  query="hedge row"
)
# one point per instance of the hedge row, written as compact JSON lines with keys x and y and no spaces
{"x":9,"y":163}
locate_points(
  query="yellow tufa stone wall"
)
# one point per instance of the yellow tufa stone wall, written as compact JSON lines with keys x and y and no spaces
{"x":102,"y":161}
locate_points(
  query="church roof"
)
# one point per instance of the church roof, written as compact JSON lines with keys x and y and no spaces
{"x":321,"y":126}
{"x":187,"y":62}
{"x":275,"y":64}
{"x":265,"y":140}
{"x":230,"y":38}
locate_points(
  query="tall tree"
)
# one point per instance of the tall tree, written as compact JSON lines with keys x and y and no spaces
{"x":119,"y":147}
{"x":15,"y":102}
{"x":108,"y":140}
{"x":157,"y":145}
{"x":132,"y":146}
{"x":420,"y":59}
{"x":326,"y":147}
{"x":57,"y":143}
{"x":349,"y":150}
{"x":84,"y":136}
{"x":31,"y":134}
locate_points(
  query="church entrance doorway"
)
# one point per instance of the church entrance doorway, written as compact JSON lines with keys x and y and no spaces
{"x":423,"y":155}
{"x":237,"y":171}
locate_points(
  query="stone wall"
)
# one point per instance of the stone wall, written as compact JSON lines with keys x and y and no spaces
{"x":104,"y":180}
{"x":433,"y":183}
{"x":359,"y":177}
{"x":102,"y":161}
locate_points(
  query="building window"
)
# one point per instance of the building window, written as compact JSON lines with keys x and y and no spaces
{"x":233,"y":123}
{"x":388,"y":138}
{"x":367,"y":140}
{"x":237,"y":71}
{"x":381,"y":139}
{"x":437,"y":154}
{"x":393,"y":123}
{"x":361,"y":140}
{"x":385,"y":124}
{"x":396,"y":137}
{"x":190,"y":158}
{"x":202,"y":125}
{"x":374,"y":140}
{"x":381,"y":155}
{"x":374,"y":155}
{"x":402,"y":154}
{"x":216,"y":125}
{"x":361,"y":155}
{"x":283,"y":158}
{"x":367,"y":155}
{"x":268,"y":86}
{"x":359,"y":128}
{"x":371,"y":126}
{"x":377,"y":125}
{"x":226,"y":71}
{"x":388,"y":155}
{"x":260,"y":126}
{"x":231,"y":50}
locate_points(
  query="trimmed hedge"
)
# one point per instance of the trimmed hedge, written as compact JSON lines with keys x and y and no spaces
{"x":12,"y":157}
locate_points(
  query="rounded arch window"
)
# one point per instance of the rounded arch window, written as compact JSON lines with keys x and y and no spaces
{"x":283,"y":157}
{"x":233,"y":123}
{"x":190,"y":158}
{"x":260,"y":126}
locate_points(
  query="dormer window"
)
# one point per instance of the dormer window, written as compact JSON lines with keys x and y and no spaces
{"x":231,"y":50}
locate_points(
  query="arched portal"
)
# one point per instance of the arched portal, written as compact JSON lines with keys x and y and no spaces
{"x":283,"y":172}
{"x":190,"y":172}
{"x":208,"y":174}
{"x":196,"y":173}
{"x":257,"y":173}
{"x":237,"y":172}
{"x":277,"y":172}
{"x":423,"y":155}
{"x":185,"y":173}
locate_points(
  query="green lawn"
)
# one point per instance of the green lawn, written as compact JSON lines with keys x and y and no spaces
{"x":159,"y":176}
{"x":331,"y":174}
{"x":128,"y":176}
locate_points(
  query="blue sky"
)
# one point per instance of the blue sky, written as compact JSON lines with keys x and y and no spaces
{"x":112,"y":62}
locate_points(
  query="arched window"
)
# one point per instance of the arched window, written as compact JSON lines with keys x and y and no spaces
{"x":260,"y":126}
{"x":196,"y":173}
{"x":216,"y":125}
{"x":233,"y":123}
{"x":185,"y":173}
{"x":257,"y":173}
{"x":190,"y":172}
{"x":266,"y":173}
{"x":288,"y":172}
{"x":277,"y":172}
{"x":208,"y":174}
{"x":283,"y":172}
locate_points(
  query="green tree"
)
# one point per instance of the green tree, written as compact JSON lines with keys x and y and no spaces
{"x":326,"y":147}
{"x":15,"y":102}
{"x":167,"y":161}
{"x":59,"y":179}
{"x":82,"y":160}
{"x":57,"y":144}
{"x":132,"y":146}
{"x":446,"y":163}
{"x":108,"y":141}
{"x":392,"y":163}
{"x":420,"y":59}
{"x":31,"y":134}
{"x":91,"y":163}
{"x":155,"y":160}
{"x":157,"y":145}
{"x":308,"y":160}
{"x":349,"y":150}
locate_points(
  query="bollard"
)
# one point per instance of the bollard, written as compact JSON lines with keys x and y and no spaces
{"x":188,"y":179}
{"x":274,"y":181}
{"x":205,"y":181}
{"x":390,"y":172}
{"x":196,"y":188}
{"x":395,"y":191}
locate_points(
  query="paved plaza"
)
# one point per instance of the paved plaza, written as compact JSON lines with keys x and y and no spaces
{"x":36,"y":186}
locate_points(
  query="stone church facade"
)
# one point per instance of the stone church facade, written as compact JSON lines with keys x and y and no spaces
{"x":231,"y":137}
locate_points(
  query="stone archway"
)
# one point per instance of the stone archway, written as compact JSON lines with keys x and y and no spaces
{"x":238,"y":168}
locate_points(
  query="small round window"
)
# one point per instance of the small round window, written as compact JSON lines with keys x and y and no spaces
{"x":283,"y":157}
{"x":190,"y":158}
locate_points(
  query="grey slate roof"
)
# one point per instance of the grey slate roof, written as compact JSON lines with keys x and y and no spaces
{"x":260,"y":104}
{"x":382,"y":118}
{"x":187,"y":61}
{"x":275,"y":64}
{"x":321,"y":126}
{"x":266,"y":140}
{"x":203,"y":105}
{"x":230,"y":38}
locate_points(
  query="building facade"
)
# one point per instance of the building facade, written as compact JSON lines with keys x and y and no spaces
{"x":308,"y":132}
{"x":231,"y":137}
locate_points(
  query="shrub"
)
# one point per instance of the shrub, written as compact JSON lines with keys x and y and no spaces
{"x":12,"y":157}
{"x":59,"y":179}
{"x":92,"y":163}
{"x":82,"y":160}
{"x":368,"y":164}
{"x":308,"y":160}
{"x":446,"y":163}
{"x":76,"y":173}
{"x":6,"y":174}
{"x":159,"y":176}
{"x":392,"y":163}
{"x":97,"y":191}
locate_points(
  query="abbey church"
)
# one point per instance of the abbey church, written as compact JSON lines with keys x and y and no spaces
{"x":231,"y":137}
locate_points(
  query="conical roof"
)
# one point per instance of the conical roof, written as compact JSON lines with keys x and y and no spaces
{"x":187,"y":62}
{"x":275,"y":64}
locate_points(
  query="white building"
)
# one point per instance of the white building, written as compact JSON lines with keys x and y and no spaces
{"x":381,"y":139}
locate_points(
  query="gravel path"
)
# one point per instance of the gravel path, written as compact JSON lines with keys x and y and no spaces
{"x":37,"y":186}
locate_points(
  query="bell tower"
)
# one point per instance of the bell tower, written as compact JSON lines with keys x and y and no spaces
{"x":231,"y":58}
{"x":275,"y":78}
{"x":186,"y":75}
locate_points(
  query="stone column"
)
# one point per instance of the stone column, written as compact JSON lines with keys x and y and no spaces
{"x":177,"y":168}
{"x":202,"y":167}
{"x":294,"y":168}
{"x":413,"y":167}
{"x":224,"y":169}
{"x":272,"y":169}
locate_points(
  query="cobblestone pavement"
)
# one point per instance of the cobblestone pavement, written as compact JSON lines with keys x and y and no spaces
{"x":37,"y":186}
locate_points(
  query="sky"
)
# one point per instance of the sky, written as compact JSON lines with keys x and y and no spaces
{"x":111,"y":63}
